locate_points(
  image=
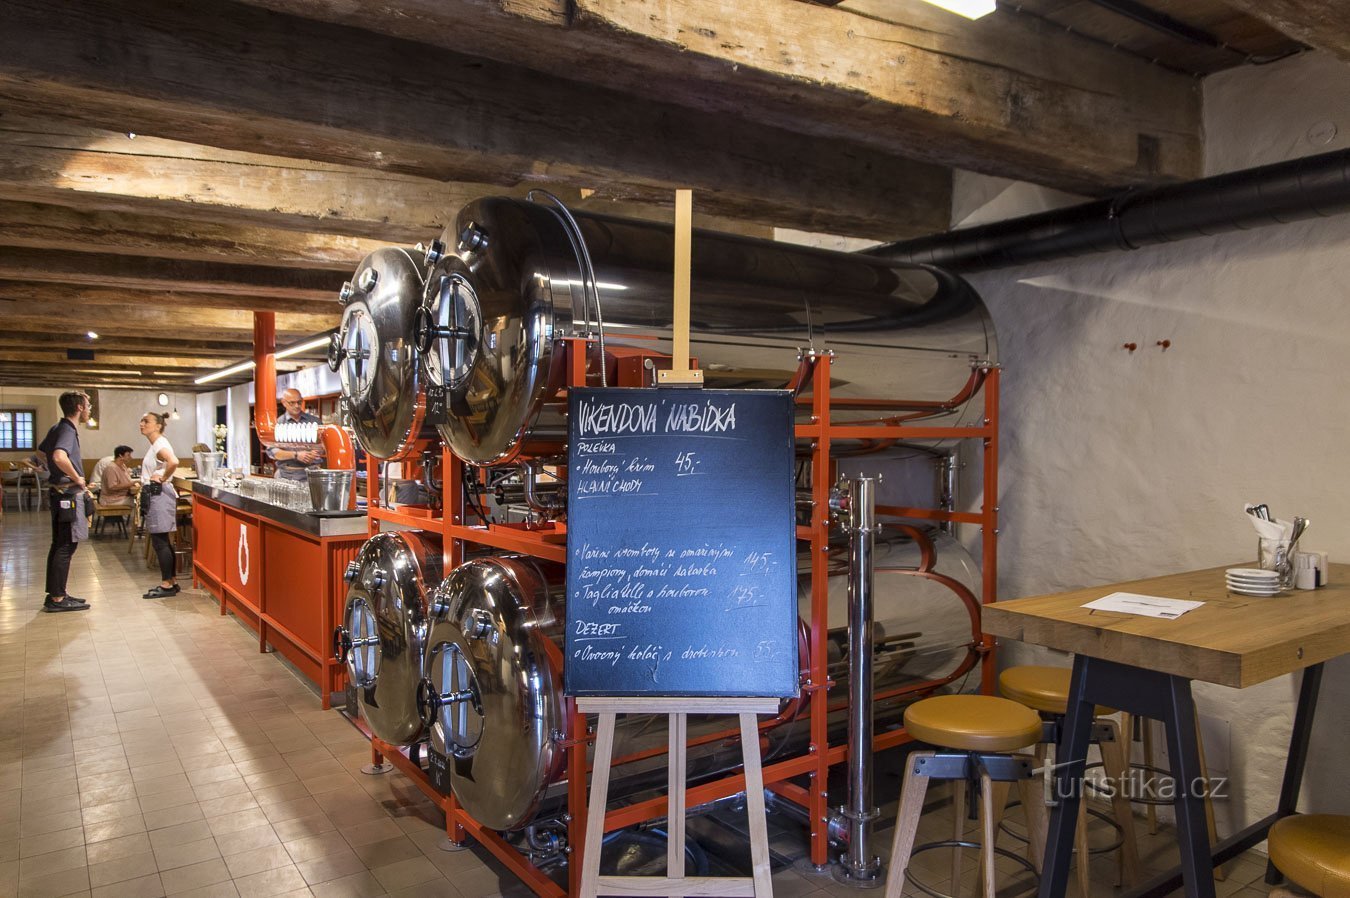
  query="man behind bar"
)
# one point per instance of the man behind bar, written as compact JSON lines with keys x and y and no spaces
{"x":293,"y":464}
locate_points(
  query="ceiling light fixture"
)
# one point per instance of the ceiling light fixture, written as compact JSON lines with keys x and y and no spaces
{"x":971,"y":9}
{"x":91,"y":335}
{"x":303,"y":347}
{"x":281,"y":354}
{"x":223,"y":372}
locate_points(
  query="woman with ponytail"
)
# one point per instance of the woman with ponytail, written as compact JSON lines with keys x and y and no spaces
{"x":159,"y":501}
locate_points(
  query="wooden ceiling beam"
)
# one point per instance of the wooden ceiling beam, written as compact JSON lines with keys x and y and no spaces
{"x":58,"y":161}
{"x":77,"y":295}
{"x":1009,"y":95}
{"x":242,"y":204}
{"x":187,"y":323}
{"x":63,"y":341}
{"x":104,"y":382}
{"x":34,"y":226}
{"x":1324,"y":24}
{"x":248,"y":79}
{"x":106,"y":358}
{"x":289,"y":287}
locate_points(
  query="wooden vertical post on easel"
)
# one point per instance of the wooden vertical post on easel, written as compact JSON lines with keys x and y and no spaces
{"x":675,"y":883}
{"x":680,"y":374}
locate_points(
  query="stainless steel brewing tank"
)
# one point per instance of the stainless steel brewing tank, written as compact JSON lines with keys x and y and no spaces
{"x":374,"y":354}
{"x":491,"y":620}
{"x":384,"y":629}
{"x":922,"y":627}
{"x":487,"y":649}
{"x":509,"y":284}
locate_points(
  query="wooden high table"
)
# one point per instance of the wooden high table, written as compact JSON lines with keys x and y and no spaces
{"x":1145,"y":665}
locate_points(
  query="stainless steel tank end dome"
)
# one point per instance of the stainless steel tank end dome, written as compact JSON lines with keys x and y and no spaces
{"x":375,"y":356}
{"x":383,"y":631}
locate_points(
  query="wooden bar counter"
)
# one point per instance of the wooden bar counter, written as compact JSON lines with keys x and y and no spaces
{"x":280,"y":572}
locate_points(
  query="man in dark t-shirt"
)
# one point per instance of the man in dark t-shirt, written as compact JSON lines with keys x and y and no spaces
{"x":61,"y":447}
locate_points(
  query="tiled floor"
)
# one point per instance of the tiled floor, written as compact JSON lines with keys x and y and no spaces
{"x":149,"y":750}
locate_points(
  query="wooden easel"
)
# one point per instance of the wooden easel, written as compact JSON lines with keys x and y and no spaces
{"x":759,"y":885}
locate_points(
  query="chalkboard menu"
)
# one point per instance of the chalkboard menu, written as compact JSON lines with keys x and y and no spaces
{"x":681,"y":543}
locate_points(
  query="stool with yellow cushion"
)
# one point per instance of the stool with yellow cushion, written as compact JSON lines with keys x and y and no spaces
{"x":975,"y":736}
{"x":1046,"y":690}
{"x":1313,"y":851}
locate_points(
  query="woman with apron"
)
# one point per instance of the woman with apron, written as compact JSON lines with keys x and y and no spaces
{"x":159,"y":502}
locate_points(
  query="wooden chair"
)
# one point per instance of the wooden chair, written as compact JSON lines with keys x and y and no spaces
{"x":137,"y":527}
{"x":119,"y":514}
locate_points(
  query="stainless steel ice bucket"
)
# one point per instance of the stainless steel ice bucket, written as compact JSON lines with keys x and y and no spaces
{"x":207,"y":463}
{"x":330,"y":490}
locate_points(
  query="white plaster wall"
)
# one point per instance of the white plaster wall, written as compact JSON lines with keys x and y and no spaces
{"x":206,"y":415}
{"x":1119,"y":465}
{"x":120,"y":413}
{"x":238,"y":420}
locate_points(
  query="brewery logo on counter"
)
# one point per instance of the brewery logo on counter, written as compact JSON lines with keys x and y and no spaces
{"x":243,"y":555}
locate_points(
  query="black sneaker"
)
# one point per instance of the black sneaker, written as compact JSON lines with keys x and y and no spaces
{"x":66,"y":604}
{"x":76,"y":599}
{"x":160,"y":592}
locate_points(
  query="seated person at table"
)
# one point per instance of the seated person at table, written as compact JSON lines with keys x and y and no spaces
{"x":34,"y":463}
{"x":116,"y":486}
{"x":96,"y":476}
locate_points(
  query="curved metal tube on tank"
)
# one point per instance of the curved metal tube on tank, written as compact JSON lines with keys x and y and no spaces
{"x":514,"y":284}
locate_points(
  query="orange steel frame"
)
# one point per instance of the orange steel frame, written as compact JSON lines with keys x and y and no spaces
{"x":548,"y":542}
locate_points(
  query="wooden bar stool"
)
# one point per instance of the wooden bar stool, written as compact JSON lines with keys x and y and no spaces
{"x":1046,"y":690}
{"x":1313,"y":851}
{"x":975,"y":735}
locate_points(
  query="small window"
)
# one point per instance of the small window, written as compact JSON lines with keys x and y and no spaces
{"x":16,"y":429}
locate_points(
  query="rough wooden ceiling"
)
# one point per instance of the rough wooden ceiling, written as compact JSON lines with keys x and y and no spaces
{"x":166,"y":167}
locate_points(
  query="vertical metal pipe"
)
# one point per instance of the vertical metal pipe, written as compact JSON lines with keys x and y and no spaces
{"x":949,"y":467}
{"x":860,"y":865}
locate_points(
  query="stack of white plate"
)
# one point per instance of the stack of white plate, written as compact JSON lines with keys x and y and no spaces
{"x":1251,"y":581}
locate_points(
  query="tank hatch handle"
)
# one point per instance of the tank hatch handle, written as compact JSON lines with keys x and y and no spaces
{"x":338,"y":351}
{"x":426,"y":332}
{"x":342,"y":645}
{"x":430,"y":702}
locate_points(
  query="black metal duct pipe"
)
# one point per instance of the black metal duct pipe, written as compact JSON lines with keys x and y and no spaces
{"x":1311,"y":187}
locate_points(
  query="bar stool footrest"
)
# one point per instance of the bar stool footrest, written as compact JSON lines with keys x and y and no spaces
{"x":955,"y":843}
{"x":1106,"y":818}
